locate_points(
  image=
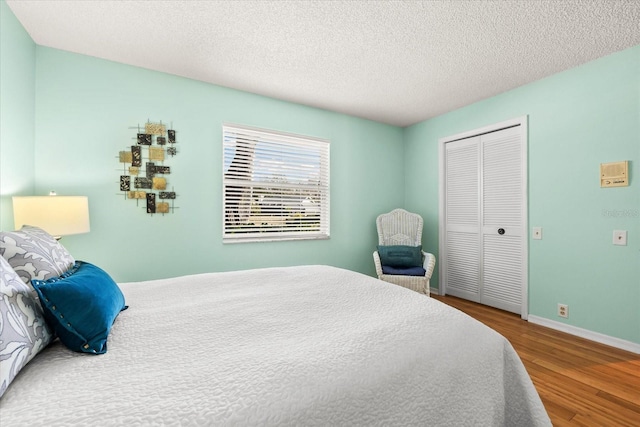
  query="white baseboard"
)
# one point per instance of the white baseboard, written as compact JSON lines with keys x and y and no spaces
{"x":579,"y":332}
{"x":584,"y":333}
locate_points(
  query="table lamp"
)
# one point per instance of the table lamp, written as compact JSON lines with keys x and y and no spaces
{"x":57,"y":215}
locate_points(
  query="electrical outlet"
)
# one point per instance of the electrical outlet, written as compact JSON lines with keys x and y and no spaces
{"x":620,"y":237}
{"x":537,"y":233}
{"x":563,"y":310}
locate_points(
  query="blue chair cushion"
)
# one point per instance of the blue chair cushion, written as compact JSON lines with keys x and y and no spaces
{"x":400,"y":256}
{"x":81,"y":306}
{"x":406,"y":271}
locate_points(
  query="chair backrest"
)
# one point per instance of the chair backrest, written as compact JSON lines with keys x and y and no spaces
{"x":399,"y":227}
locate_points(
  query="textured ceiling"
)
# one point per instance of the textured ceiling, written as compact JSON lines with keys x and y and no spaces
{"x":397,"y":62}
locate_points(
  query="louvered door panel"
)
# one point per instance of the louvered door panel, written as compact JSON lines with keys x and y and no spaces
{"x":502,"y":220}
{"x":463,"y":265}
{"x":502,"y":181}
{"x":502,"y":272}
{"x":462,"y":273}
{"x":462,"y":183}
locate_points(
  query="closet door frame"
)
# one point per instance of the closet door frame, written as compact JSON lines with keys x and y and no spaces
{"x":442,"y":269}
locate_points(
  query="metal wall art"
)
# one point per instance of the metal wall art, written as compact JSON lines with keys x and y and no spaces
{"x":143,"y":174}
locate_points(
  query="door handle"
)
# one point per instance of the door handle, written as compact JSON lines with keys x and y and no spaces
{"x":501,"y":231}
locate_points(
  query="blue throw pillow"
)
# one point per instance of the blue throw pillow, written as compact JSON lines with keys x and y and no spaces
{"x":400,"y":256}
{"x":411,"y":271}
{"x":81,"y":306}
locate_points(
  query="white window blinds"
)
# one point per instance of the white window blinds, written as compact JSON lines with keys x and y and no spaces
{"x":276,"y":185}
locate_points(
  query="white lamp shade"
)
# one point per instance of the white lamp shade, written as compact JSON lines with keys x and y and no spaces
{"x":57,"y":215}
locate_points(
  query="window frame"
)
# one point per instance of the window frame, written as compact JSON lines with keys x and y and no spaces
{"x":246,"y":167}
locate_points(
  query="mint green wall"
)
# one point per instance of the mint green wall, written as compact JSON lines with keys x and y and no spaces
{"x":64,"y":117}
{"x":84,"y":108}
{"x":577,"y":120}
{"x":17,"y":112}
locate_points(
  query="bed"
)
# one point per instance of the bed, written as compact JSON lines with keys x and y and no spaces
{"x":309,"y":345}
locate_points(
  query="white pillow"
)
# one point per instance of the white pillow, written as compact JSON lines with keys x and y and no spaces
{"x":34,"y":254}
{"x":23,"y":330}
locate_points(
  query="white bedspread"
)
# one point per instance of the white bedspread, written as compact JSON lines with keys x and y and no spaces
{"x":311,"y":345}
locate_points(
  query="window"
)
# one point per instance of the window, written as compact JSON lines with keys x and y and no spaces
{"x":276,"y":185}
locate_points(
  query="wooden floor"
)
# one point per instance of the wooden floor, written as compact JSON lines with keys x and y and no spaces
{"x":581,"y":383}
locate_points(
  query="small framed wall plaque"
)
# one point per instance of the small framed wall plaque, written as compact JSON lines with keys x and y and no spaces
{"x":615,"y":174}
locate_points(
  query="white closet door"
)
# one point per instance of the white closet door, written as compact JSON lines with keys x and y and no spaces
{"x":463,"y":218}
{"x":484,"y":245}
{"x":502,"y":216}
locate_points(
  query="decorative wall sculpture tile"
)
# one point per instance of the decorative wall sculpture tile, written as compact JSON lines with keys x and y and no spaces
{"x":141,"y":182}
{"x":143,"y":162}
{"x":125,"y":182}
{"x":144,"y":138}
{"x":136,"y":153}
{"x":167,"y":195}
{"x":136,"y":195}
{"x":156,"y":153}
{"x":125,"y":157}
{"x":159,"y":183}
{"x":157,"y":129}
{"x":151,"y":202}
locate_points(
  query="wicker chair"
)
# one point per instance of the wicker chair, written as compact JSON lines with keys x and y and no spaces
{"x":400,"y":227}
